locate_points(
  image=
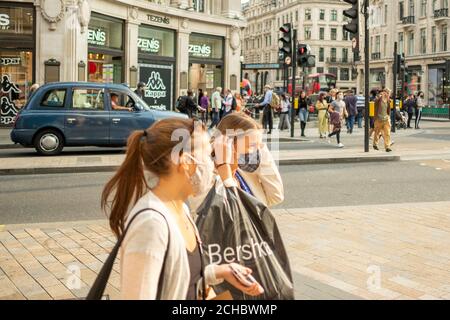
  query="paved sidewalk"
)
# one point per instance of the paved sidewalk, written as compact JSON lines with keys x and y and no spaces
{"x":395,"y":251}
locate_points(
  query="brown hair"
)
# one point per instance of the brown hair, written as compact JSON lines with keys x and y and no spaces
{"x":235,"y":121}
{"x":149,"y":149}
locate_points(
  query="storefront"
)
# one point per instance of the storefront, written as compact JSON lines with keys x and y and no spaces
{"x":206,"y":62}
{"x":156,"y":57}
{"x":17,"y":39}
{"x":436,"y":75}
{"x":105,"y":49}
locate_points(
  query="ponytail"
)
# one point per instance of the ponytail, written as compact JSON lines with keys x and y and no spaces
{"x":128,"y":184}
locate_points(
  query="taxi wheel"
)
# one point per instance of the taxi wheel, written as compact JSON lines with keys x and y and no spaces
{"x":49,"y":142}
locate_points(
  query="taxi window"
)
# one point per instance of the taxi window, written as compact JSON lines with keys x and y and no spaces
{"x":88,"y":99}
{"x":54,"y":98}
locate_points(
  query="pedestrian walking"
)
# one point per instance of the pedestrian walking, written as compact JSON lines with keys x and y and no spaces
{"x":244,"y":161}
{"x":33,"y":89}
{"x":267,"y":109}
{"x":229,"y":102}
{"x":240,"y":102}
{"x":303,"y":112}
{"x":374,"y":94}
{"x":332,"y":95}
{"x":161,"y":253}
{"x":322,"y":109}
{"x":336,"y":124}
{"x":352,"y":110}
{"x":382,"y":120}
{"x":284,"y":113}
{"x":216,"y":105}
{"x":360,"y":106}
{"x":140,"y":90}
{"x":419,"y":106}
{"x":410,"y":106}
{"x":188,"y":105}
{"x":203,"y":107}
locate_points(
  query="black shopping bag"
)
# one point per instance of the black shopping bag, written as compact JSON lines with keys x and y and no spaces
{"x":236,"y":227}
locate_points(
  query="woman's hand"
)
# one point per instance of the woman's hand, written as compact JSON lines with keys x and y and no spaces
{"x":224,"y":271}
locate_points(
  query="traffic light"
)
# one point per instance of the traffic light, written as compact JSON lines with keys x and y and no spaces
{"x":352,"y":13}
{"x":285,"y":52}
{"x":304,"y":57}
{"x":401,"y":63}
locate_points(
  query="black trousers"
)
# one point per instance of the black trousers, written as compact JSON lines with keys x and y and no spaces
{"x":268,"y":117}
{"x":337,"y":134}
{"x":410,"y":115}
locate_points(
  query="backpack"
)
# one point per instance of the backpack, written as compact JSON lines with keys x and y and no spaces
{"x":233,"y":104}
{"x":275,"y":103}
{"x":181,"y":103}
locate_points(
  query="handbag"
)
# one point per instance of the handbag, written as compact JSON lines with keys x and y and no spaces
{"x":98,"y":288}
{"x":312,"y":109}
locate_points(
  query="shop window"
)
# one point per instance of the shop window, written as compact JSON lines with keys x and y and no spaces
{"x":105,"y":68}
{"x":16,"y":21}
{"x":54,"y":98}
{"x":202,"y":46}
{"x":88,"y":99}
{"x":157,"y":42}
{"x":105,"y":32}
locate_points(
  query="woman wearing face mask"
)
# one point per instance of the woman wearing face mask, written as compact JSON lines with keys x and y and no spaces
{"x":160,"y":256}
{"x":419,"y":106}
{"x":243,"y":161}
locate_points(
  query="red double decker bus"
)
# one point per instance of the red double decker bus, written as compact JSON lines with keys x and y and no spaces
{"x":315,"y":83}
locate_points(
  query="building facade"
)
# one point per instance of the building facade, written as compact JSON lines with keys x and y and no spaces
{"x":319,"y":23}
{"x":171,"y":45}
{"x":420,"y":28}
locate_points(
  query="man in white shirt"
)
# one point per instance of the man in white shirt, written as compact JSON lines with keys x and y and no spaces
{"x":228,"y":102}
{"x":216,"y":104}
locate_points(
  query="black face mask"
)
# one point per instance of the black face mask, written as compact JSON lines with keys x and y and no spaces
{"x":249,"y":162}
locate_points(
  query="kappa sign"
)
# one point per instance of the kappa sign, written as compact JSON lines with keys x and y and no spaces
{"x":6,"y":61}
{"x":159,"y":84}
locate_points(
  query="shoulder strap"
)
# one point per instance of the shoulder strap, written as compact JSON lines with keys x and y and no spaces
{"x":98,"y":288}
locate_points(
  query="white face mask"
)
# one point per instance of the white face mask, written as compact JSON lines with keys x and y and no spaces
{"x":203,"y":176}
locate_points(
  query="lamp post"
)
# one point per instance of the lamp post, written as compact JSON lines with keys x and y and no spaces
{"x":241,"y":59}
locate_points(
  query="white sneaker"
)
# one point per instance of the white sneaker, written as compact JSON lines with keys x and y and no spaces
{"x":340,"y":145}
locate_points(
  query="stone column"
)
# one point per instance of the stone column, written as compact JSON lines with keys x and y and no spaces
{"x":231,"y":8}
{"x":182,"y":74}
{"x":131,"y":49}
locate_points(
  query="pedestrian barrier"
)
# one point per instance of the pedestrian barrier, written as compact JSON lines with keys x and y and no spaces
{"x":436,"y":112}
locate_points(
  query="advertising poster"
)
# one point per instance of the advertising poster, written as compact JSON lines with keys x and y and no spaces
{"x":159,"y":84}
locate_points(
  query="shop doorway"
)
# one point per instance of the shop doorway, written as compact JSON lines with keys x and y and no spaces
{"x":205,"y":77}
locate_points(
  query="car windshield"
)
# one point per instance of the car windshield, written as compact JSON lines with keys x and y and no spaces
{"x":140,"y":104}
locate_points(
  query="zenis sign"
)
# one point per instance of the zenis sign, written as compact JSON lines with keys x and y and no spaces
{"x":97,"y":37}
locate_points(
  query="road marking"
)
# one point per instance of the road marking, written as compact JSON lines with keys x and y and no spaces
{"x":438,"y":168}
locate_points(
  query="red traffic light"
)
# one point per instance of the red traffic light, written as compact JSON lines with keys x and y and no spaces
{"x":286,"y":28}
